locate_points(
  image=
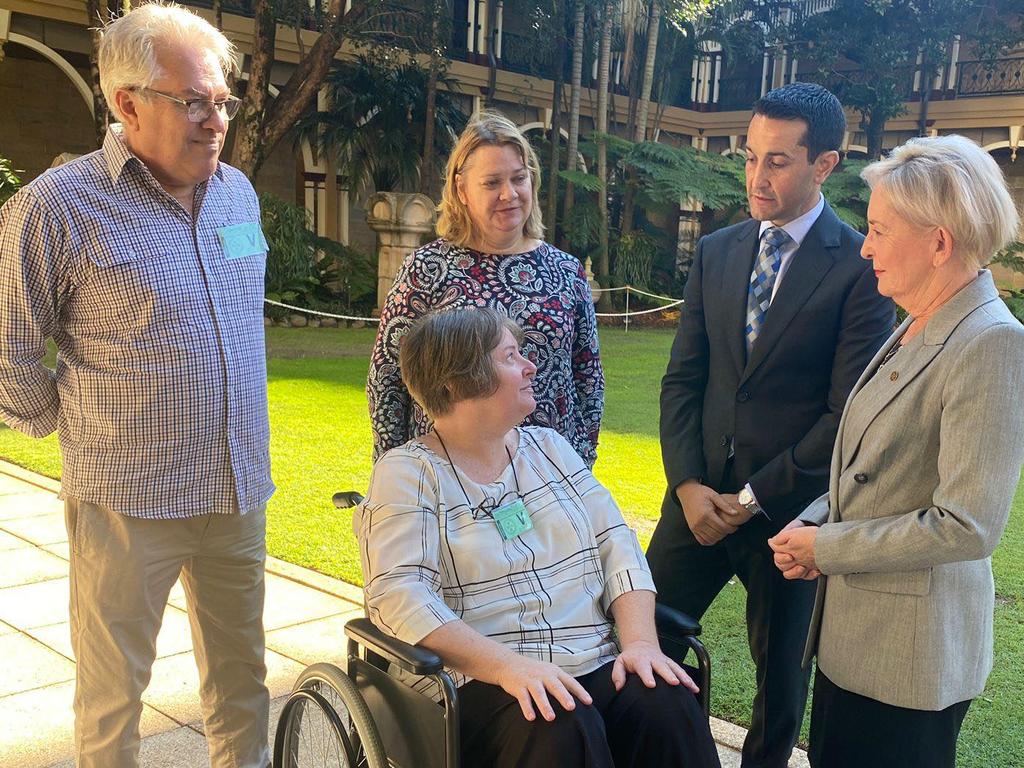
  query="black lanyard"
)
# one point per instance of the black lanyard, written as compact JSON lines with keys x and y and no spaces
{"x":469,"y":503}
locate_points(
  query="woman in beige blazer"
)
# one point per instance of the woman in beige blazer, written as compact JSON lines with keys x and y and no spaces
{"x":926,"y":461}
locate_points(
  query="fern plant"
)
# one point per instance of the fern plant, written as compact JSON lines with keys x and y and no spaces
{"x":10,"y":182}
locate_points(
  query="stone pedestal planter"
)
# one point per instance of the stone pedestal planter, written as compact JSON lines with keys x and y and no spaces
{"x":402,"y":221}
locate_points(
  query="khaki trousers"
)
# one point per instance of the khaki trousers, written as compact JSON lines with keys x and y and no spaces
{"x":122,"y":571}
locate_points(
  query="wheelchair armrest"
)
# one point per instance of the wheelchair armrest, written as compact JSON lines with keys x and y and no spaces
{"x":674,"y":624}
{"x":411,"y":658}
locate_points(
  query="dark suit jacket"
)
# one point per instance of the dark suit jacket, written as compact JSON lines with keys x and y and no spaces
{"x":781,"y":407}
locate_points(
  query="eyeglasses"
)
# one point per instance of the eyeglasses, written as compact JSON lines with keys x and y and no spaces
{"x":199,"y":110}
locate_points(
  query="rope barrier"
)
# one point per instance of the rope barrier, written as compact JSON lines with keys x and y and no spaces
{"x":641,"y":312}
{"x":322,"y":314}
{"x":634,"y":290}
{"x":625,"y":315}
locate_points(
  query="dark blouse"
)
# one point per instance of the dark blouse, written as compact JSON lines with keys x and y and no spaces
{"x":544,"y":290}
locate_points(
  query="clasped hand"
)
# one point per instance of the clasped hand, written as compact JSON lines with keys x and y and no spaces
{"x":710,"y":515}
{"x":794,"y":551}
{"x":531,"y":681}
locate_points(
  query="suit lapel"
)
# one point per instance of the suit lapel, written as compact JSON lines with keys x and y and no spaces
{"x":836,"y":465}
{"x":876,"y":392}
{"x":739,"y":263}
{"x":811,"y":262}
{"x":873,"y":395}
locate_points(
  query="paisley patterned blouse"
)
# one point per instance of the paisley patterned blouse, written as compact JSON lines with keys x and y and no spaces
{"x":544,"y":290}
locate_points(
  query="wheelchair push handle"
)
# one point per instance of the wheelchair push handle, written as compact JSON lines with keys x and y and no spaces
{"x":346,"y":499}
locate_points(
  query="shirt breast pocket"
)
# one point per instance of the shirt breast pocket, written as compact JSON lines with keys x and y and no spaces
{"x":131,"y":286}
{"x":106,"y":258}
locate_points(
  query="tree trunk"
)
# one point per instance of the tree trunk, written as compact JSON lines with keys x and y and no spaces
{"x":604,"y":57}
{"x":551,"y":210}
{"x":927,"y":79}
{"x":642,"y":112}
{"x":247,"y":153}
{"x":427,"y":171}
{"x":265,"y":124}
{"x":874,"y":130}
{"x":99,"y":16}
{"x":653,"y":28}
{"x":574,"y":102}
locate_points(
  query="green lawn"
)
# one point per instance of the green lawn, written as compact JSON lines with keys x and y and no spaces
{"x":320,"y":443}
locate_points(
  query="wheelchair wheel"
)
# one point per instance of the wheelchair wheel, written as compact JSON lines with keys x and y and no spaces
{"x":326,"y":724}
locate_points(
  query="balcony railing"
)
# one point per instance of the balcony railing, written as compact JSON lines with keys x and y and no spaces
{"x":407,"y":26}
{"x":526,"y":55}
{"x":738,"y":92}
{"x":1002,"y":77}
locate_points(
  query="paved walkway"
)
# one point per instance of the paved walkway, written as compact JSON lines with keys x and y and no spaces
{"x":304,"y":616}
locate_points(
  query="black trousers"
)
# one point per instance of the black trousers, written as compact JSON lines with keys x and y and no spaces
{"x":851,"y":731}
{"x":637,"y":727}
{"x":689,"y":576}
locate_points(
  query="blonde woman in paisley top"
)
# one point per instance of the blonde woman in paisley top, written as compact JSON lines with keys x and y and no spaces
{"x":490,"y":254}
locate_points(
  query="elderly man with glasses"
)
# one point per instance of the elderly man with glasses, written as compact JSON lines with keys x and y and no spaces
{"x":144,"y":263}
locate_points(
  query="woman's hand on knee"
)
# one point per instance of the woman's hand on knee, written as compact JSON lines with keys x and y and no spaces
{"x":645,"y":660}
{"x":531,"y":681}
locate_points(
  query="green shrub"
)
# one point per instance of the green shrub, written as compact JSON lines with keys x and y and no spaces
{"x":10,"y":182}
{"x":307,"y":270}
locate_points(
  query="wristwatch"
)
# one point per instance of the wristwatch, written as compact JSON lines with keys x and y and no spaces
{"x":748,"y":502}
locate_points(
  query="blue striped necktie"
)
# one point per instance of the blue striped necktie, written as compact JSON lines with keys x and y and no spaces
{"x":762,"y":279}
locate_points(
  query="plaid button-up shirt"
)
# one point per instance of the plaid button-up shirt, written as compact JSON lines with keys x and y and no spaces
{"x":159,"y":396}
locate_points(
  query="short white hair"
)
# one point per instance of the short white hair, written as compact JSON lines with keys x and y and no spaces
{"x":128,"y":46}
{"x":950,"y":182}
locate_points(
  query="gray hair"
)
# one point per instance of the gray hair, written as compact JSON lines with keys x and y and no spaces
{"x":951,"y":182}
{"x":128,"y":46}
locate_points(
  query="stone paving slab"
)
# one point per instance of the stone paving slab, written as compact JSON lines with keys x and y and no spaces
{"x":35,"y":605}
{"x":9,"y":542}
{"x":32,"y":503}
{"x":37,"y":727}
{"x":29,"y":665}
{"x":313,"y":641}
{"x":39,"y":529}
{"x":30,"y":564}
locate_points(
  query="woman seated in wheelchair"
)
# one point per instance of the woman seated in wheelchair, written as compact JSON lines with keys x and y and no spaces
{"x":494,"y":546}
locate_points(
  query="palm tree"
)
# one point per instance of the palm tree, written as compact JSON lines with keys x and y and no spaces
{"x":557,"y":43}
{"x":643,"y":107}
{"x":437,"y":50}
{"x":603,"y":64}
{"x":376,"y":121}
{"x":576,"y":79}
{"x":653,"y":25}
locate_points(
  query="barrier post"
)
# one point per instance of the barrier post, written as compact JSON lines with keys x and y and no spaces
{"x":626,"y":318}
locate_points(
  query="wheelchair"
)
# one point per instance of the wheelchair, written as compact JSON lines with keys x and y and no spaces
{"x":365,"y":717}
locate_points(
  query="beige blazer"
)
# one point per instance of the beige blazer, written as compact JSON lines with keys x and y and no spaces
{"x":924,"y":468}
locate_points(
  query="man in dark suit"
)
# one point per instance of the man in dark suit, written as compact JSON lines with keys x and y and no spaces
{"x":781,"y":317}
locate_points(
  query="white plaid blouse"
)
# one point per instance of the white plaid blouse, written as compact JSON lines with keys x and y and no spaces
{"x":159,"y":396}
{"x":429,"y":557}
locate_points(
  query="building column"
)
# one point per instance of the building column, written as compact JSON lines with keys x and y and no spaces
{"x":471,"y":26}
{"x":764,"y":72}
{"x":482,"y":12}
{"x":688,"y":234}
{"x":954,"y":63}
{"x":716,"y":64}
{"x":401,"y":221}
